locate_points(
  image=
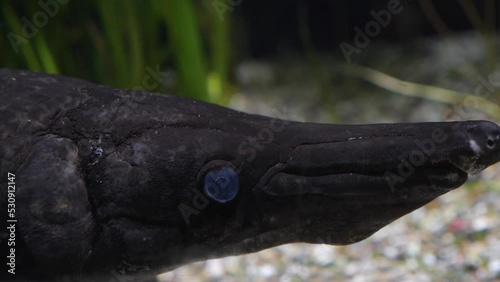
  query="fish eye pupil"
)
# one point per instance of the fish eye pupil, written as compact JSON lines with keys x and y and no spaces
{"x":221,"y":184}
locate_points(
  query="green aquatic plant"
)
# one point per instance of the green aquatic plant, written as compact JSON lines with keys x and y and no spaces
{"x":115,"y":42}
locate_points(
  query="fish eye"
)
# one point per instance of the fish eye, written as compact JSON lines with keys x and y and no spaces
{"x":221,"y":184}
{"x":220,"y":181}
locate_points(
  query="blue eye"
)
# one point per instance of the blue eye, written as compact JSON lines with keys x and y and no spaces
{"x":221,"y":184}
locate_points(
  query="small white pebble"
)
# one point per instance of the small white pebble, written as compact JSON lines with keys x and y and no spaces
{"x":494,"y":266}
{"x":391,"y":252}
{"x":351,"y":269}
{"x":429,"y":259}
{"x":413,"y":249}
{"x":214,"y":268}
{"x":480,"y":209}
{"x":480,"y":224}
{"x":323,"y":254}
{"x":267,"y":270}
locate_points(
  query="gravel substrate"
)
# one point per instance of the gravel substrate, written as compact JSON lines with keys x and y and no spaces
{"x":454,"y":238}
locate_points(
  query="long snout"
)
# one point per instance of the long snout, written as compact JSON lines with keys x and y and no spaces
{"x":361,"y":160}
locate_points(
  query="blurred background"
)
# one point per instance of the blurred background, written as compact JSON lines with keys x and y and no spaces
{"x":323,"y":61}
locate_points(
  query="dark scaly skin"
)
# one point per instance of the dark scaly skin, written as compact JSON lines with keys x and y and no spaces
{"x":109,"y":182}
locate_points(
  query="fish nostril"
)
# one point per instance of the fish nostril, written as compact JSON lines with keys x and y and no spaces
{"x":490,"y":144}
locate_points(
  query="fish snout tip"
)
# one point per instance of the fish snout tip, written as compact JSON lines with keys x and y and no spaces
{"x":485,"y":138}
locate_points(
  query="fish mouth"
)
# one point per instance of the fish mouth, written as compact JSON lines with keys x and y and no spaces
{"x":434,"y":179}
